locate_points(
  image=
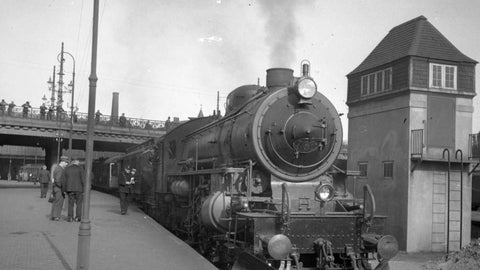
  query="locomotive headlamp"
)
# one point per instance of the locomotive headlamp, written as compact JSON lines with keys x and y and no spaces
{"x":324,"y":192}
{"x":306,"y":88}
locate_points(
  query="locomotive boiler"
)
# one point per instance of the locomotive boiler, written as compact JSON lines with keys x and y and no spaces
{"x":258,"y":188}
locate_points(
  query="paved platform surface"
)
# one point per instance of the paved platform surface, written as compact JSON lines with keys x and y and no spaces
{"x":29,"y":240}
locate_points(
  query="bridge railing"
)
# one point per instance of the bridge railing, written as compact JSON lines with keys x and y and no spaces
{"x":82,"y":118}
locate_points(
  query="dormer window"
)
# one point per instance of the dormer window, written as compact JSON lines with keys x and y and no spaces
{"x":443,"y":76}
{"x":377,"y":82}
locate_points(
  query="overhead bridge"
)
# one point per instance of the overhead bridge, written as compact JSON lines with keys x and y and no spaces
{"x":52,"y":132}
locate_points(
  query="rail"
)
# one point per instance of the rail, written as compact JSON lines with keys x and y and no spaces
{"x":81,"y":118}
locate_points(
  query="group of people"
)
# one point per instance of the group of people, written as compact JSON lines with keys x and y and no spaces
{"x":10,"y":106}
{"x":68,"y":181}
{"x":48,"y":113}
{"x":45,"y":112}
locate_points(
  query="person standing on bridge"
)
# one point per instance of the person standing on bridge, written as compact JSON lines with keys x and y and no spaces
{"x":50,"y":113}
{"x":10,"y":108}
{"x":73,"y":184}
{"x":3,"y":106}
{"x":26,"y":107}
{"x":44,"y":179}
{"x":60,"y":112}
{"x":57,"y":204}
{"x":43,"y":111}
{"x":148,"y":125}
{"x":97,"y":116}
{"x":122,"y":121}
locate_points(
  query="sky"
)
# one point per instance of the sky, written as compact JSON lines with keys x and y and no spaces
{"x":170,"y":58}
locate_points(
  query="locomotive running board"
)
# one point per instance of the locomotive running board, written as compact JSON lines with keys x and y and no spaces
{"x":247,"y":261}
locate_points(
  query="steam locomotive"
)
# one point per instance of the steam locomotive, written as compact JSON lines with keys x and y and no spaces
{"x":258,"y":188}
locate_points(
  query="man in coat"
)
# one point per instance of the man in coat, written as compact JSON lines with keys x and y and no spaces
{"x":44,"y":179}
{"x":73,"y":184}
{"x":57,"y":188}
{"x":125,"y":188}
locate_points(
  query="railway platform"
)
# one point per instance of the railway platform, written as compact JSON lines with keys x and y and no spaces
{"x":29,"y":240}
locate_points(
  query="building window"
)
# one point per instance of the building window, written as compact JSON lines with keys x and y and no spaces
{"x":362,"y":167}
{"x":388,"y":169}
{"x":364,"y":85}
{"x":371,"y":84}
{"x":388,"y":79}
{"x":376,"y":82}
{"x":443,"y":76}
{"x":379,"y":76}
{"x":449,"y":77}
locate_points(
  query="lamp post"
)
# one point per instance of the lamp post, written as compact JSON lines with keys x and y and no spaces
{"x":84,"y":233}
{"x":72,"y":85}
{"x":59,"y":139}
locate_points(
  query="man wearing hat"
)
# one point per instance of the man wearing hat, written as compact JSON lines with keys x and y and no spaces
{"x":57,"y":188}
{"x":73,"y":184}
{"x":125,"y":186}
{"x":44,"y":178}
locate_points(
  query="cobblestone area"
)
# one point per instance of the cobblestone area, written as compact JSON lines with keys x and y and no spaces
{"x":30,"y":240}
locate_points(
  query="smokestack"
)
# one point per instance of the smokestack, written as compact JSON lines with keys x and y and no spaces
{"x":114,"y":114}
{"x":279,"y":77}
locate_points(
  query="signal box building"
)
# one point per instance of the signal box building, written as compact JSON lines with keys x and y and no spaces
{"x":410,"y":111}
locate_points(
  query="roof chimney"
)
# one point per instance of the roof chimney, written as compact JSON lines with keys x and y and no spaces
{"x":114,"y":114}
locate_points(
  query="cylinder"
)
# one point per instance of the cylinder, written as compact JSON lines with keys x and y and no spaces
{"x":214,"y":211}
{"x":279,"y":77}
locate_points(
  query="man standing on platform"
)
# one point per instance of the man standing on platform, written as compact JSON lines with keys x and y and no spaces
{"x":73,"y":184}
{"x":44,"y":179}
{"x":125,"y":188}
{"x":57,"y":204}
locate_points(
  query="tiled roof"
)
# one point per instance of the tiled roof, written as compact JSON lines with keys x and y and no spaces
{"x":417,"y":37}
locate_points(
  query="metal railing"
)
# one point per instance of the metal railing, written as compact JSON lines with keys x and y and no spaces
{"x":82,"y":118}
{"x":417,"y":143}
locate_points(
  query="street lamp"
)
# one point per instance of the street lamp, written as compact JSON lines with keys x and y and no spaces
{"x":59,"y":139}
{"x":72,"y":85}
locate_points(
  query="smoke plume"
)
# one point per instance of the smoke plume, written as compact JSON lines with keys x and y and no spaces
{"x":281,"y":31}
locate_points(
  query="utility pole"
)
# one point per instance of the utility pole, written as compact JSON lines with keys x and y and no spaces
{"x":218,"y":104}
{"x":72,"y":89}
{"x":83,"y":255}
{"x":60,"y":82}
{"x":52,"y":88}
